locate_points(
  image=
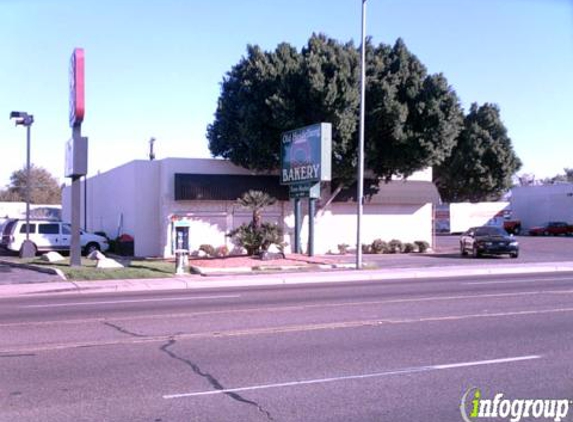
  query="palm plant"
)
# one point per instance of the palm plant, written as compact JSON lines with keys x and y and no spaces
{"x":255,"y":201}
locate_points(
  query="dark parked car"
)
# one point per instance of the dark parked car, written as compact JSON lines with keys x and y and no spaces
{"x":553,"y":228}
{"x":488,"y":241}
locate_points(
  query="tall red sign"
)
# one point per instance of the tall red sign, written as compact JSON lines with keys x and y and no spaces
{"x":77,"y":87}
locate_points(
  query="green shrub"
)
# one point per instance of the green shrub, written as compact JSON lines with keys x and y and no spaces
{"x":395,"y":246}
{"x":422,"y":245}
{"x":257,"y":240}
{"x":366,"y":249}
{"x":410,"y":247}
{"x":208,"y":249}
{"x":222,"y":251}
{"x":272,"y":234}
{"x":379,"y":246}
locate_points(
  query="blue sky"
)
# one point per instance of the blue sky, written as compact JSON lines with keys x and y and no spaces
{"x":154,"y":67}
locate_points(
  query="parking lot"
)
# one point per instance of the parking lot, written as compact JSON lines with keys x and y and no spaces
{"x":532,"y":248}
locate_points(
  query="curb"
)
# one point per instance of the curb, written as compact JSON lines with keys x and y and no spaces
{"x":267,"y":269}
{"x":205,"y":271}
{"x":37,"y":268}
{"x":277,"y":278}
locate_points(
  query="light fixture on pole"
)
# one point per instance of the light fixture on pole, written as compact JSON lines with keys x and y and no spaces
{"x":360,"y":181}
{"x":151,"y":151}
{"x":22,"y":118}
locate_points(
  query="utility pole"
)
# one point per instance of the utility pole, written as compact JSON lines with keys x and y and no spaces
{"x":360,"y":181}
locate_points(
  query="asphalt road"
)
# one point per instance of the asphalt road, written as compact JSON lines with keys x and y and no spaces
{"x":385,"y":351}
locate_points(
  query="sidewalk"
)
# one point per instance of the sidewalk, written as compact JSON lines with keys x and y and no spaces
{"x":189,"y":282}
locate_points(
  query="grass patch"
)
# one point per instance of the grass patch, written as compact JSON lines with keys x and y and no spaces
{"x":88,"y":271}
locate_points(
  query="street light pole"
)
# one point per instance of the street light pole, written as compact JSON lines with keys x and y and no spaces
{"x":28,"y":181}
{"x":22,"y":118}
{"x":360,"y":181}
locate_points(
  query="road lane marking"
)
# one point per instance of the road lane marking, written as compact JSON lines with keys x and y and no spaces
{"x":283,"y":308}
{"x":404,"y":371}
{"x":278,"y":330}
{"x":113,"y":302}
{"x":538,"y":280}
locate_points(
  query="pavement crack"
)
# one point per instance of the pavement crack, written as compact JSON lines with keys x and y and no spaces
{"x":122,"y":330}
{"x":17,"y":355}
{"x":212,"y":380}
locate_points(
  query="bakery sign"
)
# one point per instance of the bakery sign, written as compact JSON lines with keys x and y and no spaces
{"x":306,"y":155}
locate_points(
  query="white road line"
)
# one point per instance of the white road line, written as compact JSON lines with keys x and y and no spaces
{"x":403,"y":371}
{"x":277,"y":308}
{"x":538,"y":280}
{"x":112,"y":302}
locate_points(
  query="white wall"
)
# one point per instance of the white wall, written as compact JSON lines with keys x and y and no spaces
{"x":203,"y":230}
{"x":421,"y":175}
{"x":464,"y":215}
{"x":111,"y":205}
{"x":12,"y":209}
{"x":146,"y":208}
{"x":18,"y":209}
{"x":210,"y":220}
{"x":143,"y":192}
{"x":535,"y":205}
{"x":123,"y":200}
{"x":337,"y":225}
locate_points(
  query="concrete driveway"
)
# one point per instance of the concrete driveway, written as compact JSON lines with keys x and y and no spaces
{"x":11,"y":275}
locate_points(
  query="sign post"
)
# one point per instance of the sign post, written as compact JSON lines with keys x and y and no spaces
{"x":76,"y":150}
{"x":306,"y":155}
{"x":297,"y":218}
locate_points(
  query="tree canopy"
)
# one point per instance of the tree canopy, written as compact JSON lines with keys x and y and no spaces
{"x":413,"y":119}
{"x":483,"y":161}
{"x":44,"y":187}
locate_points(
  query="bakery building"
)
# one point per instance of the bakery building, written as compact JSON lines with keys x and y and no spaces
{"x":155,"y":202}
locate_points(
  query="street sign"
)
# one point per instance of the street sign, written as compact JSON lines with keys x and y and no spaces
{"x":305,"y":191}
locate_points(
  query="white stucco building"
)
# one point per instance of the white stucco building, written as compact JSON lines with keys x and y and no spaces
{"x":18,"y":210}
{"x":153,"y":200}
{"x":535,"y":205}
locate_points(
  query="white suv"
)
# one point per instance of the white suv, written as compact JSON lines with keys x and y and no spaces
{"x":48,"y":235}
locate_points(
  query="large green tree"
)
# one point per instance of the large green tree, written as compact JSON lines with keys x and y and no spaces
{"x":412,"y":118}
{"x":44,"y":187}
{"x":482,"y":163}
